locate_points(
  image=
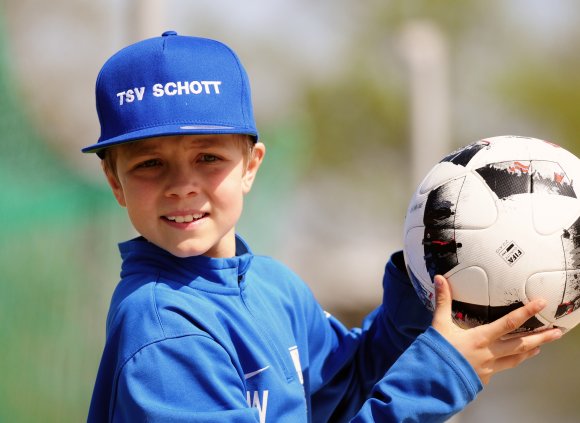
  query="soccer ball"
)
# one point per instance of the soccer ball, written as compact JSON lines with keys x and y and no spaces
{"x":500,"y":219}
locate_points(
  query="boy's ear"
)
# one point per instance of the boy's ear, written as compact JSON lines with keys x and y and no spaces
{"x":252,"y":167}
{"x":114,"y":183}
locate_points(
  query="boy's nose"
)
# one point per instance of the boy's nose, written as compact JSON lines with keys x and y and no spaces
{"x":181,"y":182}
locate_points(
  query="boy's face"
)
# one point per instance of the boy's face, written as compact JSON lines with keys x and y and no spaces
{"x":185,"y":193}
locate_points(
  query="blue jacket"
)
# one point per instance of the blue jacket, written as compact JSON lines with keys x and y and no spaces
{"x":242,"y":339}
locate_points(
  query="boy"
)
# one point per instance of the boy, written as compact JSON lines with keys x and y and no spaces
{"x":200,"y":329}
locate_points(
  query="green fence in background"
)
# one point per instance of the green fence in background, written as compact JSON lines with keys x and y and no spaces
{"x":56,"y":233}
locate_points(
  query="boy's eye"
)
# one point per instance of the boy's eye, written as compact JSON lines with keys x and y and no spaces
{"x":148,"y":163}
{"x":208,"y":158}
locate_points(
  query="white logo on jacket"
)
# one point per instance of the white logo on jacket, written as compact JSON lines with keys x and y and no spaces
{"x":259,"y":399}
{"x":260,"y":403}
{"x":296,"y":360}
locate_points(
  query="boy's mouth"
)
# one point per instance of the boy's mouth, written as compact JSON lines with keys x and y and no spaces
{"x":186,"y":218}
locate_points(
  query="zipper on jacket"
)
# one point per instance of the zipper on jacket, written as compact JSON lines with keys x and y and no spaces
{"x":270,"y":341}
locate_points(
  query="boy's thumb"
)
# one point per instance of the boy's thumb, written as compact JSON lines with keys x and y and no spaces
{"x":442,"y":298}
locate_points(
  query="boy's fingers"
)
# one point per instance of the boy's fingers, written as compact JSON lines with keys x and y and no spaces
{"x":511,"y":361}
{"x":515,"y":319}
{"x":442,"y":299}
{"x":527,"y":343}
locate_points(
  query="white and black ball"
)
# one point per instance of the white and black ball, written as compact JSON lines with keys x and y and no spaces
{"x":500,"y":219}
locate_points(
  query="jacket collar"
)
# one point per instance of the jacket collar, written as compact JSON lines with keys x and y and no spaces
{"x":140,"y":256}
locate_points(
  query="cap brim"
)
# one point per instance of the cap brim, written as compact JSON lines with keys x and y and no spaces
{"x":169,"y":130}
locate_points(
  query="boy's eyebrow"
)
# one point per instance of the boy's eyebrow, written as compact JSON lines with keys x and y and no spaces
{"x":142,"y":148}
{"x":204,"y":142}
{"x":201,"y":144}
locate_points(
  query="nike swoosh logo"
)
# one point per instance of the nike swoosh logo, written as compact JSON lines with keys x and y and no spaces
{"x":257,"y":372}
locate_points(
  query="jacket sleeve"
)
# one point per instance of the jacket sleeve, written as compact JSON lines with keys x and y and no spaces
{"x":430,"y":382}
{"x":361,"y":366}
{"x":161,"y":384}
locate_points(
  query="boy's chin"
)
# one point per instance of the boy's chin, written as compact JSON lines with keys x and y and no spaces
{"x":194,"y":249}
{"x":186,"y":254}
{"x":183,"y":251}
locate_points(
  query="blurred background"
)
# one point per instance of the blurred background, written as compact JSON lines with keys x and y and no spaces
{"x":355,"y":102}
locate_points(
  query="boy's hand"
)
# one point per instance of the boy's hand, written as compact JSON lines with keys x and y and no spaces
{"x":483,"y":346}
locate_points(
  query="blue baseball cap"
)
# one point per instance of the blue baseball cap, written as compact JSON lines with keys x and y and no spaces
{"x":172,"y":85}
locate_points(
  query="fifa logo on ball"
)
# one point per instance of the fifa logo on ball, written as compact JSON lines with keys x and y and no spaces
{"x":510,"y":252}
